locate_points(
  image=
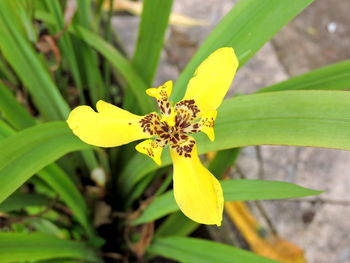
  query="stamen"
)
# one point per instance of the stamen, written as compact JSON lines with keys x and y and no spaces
{"x":207,"y":124}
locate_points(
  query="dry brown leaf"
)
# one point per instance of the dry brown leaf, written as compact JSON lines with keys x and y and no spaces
{"x":132,"y":216}
{"x":48,"y":44}
{"x":69,"y":12}
{"x":102,"y":214}
{"x":146,"y":234}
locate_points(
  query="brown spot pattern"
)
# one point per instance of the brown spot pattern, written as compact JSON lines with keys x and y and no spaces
{"x":189,"y":105}
{"x":186,"y":111}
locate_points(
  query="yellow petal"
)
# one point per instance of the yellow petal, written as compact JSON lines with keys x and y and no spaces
{"x":207,"y":124}
{"x":162,"y":91}
{"x":162,"y":94}
{"x":110,"y":126}
{"x":197,"y":192}
{"x":152,"y":149}
{"x":212,"y":80}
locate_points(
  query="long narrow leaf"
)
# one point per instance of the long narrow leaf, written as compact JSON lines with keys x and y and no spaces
{"x":88,"y":57}
{"x":19,"y":247}
{"x":194,"y":250}
{"x":30,"y":150}
{"x":234,"y":190}
{"x":20,"y":53}
{"x":5,"y":129}
{"x":53,"y":175}
{"x":333,"y":77}
{"x":13,"y":111}
{"x":20,"y":200}
{"x":65,"y":44}
{"x":246,"y":28}
{"x":60,"y":182}
{"x":176,"y":224}
{"x":154,"y":21}
{"x":6,"y":73}
{"x":135,"y":82}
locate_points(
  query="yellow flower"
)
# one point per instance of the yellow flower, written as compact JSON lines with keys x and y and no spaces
{"x":197,"y":192}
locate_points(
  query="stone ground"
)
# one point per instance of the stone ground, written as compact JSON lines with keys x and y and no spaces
{"x":319,"y":36}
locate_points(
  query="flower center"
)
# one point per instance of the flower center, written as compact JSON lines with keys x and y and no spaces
{"x":175,"y":122}
{"x":174,"y":125}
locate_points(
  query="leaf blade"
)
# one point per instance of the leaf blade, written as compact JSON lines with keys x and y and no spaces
{"x":332,"y":77}
{"x":30,"y":150}
{"x":245,"y":28}
{"x":154,"y":21}
{"x":29,"y":67}
{"x":13,"y":111}
{"x":234,"y":190}
{"x":194,"y":250}
{"x":16,"y":247}
{"x":21,"y":200}
{"x":124,"y":67}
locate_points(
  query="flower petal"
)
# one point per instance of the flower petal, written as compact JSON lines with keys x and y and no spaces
{"x":197,"y":192}
{"x":161,"y":92}
{"x":110,"y":126}
{"x":212,"y":80}
{"x":207,"y":124}
{"x":152,"y":149}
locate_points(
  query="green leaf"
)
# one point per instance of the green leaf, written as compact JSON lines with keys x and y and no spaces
{"x":17,"y":247}
{"x":62,"y":184}
{"x":46,"y":226}
{"x":154,"y":21}
{"x":65,"y":43}
{"x":5,"y":129}
{"x":162,"y":205}
{"x":295,"y":118}
{"x":6,"y":73}
{"x":246,"y":28}
{"x":333,"y":77}
{"x":234,"y":190}
{"x":84,"y":12}
{"x":30,"y":150}
{"x":194,"y":250}
{"x":30,"y":68}
{"x":223,"y":161}
{"x":14,"y":112}
{"x":20,"y":200}
{"x":53,"y":175}
{"x":176,"y":224}
{"x":88,"y":56}
{"x":246,"y":190}
{"x":136,"y":84}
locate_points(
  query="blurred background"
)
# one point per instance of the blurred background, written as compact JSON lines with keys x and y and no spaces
{"x":319,"y":36}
